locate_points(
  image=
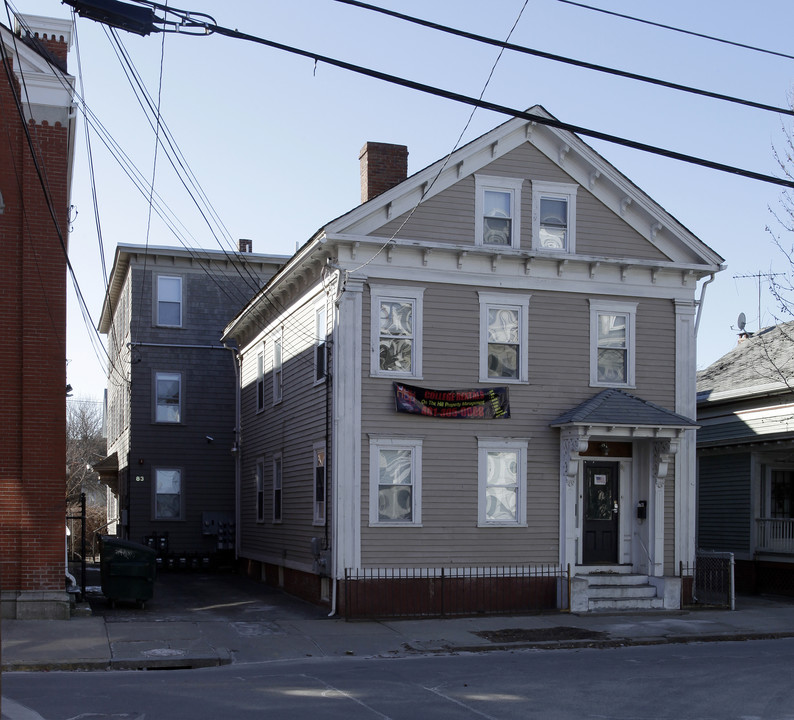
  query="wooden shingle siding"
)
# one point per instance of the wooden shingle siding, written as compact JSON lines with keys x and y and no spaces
{"x":289,"y":428}
{"x":725,"y":502}
{"x":559,"y":377}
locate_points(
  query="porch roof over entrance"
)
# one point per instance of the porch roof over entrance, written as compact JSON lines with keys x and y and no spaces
{"x":617,"y":408}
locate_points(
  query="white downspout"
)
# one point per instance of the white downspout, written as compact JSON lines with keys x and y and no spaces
{"x":699,"y":303}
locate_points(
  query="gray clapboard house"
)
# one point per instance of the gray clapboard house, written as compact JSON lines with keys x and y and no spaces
{"x":490,"y":363}
{"x":746,"y":458}
{"x":171,"y":393}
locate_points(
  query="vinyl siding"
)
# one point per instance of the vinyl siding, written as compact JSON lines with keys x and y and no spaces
{"x":289,"y":428}
{"x":724,"y":502}
{"x":449,"y":216}
{"x":559,"y":356}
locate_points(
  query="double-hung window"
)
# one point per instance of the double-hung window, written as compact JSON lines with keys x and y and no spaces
{"x":497,"y":210}
{"x":167,"y":494}
{"x":553,"y":216}
{"x":260,"y":380}
{"x":278,"y":369}
{"x":169,"y":300}
{"x":168,"y":397}
{"x":502,"y":480}
{"x":395,"y":481}
{"x":503,"y":337}
{"x":396,"y":338}
{"x":260,"y":490}
{"x":320,"y":334}
{"x":612,"y":343}
{"x":319,"y":483}
{"x":277,"y":488}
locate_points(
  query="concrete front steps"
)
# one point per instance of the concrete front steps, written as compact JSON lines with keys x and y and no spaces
{"x":622,"y":592}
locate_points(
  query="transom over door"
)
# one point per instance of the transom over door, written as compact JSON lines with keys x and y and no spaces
{"x":601,"y":513}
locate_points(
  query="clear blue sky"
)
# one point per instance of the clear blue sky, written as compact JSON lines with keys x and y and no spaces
{"x":274,"y":141}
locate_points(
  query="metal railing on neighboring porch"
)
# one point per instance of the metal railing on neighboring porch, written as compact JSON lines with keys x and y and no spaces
{"x":438,"y":592}
{"x":775,"y":535}
{"x":710,"y":578}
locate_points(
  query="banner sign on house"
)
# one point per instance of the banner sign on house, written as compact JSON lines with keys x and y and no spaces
{"x":482,"y":403}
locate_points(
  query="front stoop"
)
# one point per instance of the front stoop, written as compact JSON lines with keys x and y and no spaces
{"x":621,"y":592}
{"x":618,"y":592}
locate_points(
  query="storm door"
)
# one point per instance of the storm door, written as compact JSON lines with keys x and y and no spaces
{"x":601,"y":511}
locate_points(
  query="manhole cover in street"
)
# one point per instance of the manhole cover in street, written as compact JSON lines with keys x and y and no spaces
{"x":539,"y":634}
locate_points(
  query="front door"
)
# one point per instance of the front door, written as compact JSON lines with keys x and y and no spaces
{"x":600,"y":529}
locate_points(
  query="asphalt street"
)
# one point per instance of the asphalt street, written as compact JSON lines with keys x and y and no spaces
{"x":748,"y":680}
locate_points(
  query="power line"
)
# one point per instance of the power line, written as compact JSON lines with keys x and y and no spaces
{"x":678,"y":30}
{"x":189,"y":21}
{"x":503,"y":109}
{"x":569,"y":61}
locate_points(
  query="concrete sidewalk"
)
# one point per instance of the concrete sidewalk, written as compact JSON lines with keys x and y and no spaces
{"x":206,"y":620}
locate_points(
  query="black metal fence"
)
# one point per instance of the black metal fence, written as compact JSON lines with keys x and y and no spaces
{"x":709,"y":580}
{"x":439,"y":592}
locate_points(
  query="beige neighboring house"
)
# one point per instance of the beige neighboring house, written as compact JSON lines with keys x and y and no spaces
{"x":484,"y":371}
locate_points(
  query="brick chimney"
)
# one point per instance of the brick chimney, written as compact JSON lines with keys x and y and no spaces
{"x":244,"y":245}
{"x":382,"y":167}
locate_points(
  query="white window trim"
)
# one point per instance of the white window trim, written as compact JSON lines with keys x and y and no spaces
{"x":513,"y":302}
{"x":414,"y":444}
{"x":564,"y":191}
{"x":181,"y":472}
{"x":321,"y":340}
{"x":519,"y":445}
{"x":278,"y":367}
{"x":181,"y":300}
{"x":157,"y":374}
{"x":259,"y":478}
{"x":398,"y":293}
{"x":278,"y":462}
{"x":615,"y":308}
{"x":500,"y":184}
{"x":317,"y":518}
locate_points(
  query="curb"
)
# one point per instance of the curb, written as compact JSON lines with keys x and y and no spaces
{"x":604,"y":644}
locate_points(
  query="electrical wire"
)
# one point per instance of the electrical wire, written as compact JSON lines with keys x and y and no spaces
{"x":181,"y":166}
{"x":569,"y":61}
{"x":430,"y":185}
{"x":502,"y":109}
{"x":43,"y":183}
{"x":678,"y":30}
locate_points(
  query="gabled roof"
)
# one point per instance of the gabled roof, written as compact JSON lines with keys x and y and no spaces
{"x":687,"y":258}
{"x":575,"y":157}
{"x":619,"y":408}
{"x":759,"y":364}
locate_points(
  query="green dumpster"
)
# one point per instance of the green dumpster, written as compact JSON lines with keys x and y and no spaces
{"x":127,"y":570}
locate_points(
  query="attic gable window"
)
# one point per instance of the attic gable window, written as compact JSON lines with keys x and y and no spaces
{"x":553,"y":216}
{"x":497,"y":208}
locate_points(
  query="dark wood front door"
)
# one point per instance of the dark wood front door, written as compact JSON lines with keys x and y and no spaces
{"x":601,"y":512}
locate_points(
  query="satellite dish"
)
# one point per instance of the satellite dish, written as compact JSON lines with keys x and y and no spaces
{"x":741,"y":322}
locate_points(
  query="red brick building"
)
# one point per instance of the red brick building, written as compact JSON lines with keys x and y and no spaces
{"x":36,"y":148}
